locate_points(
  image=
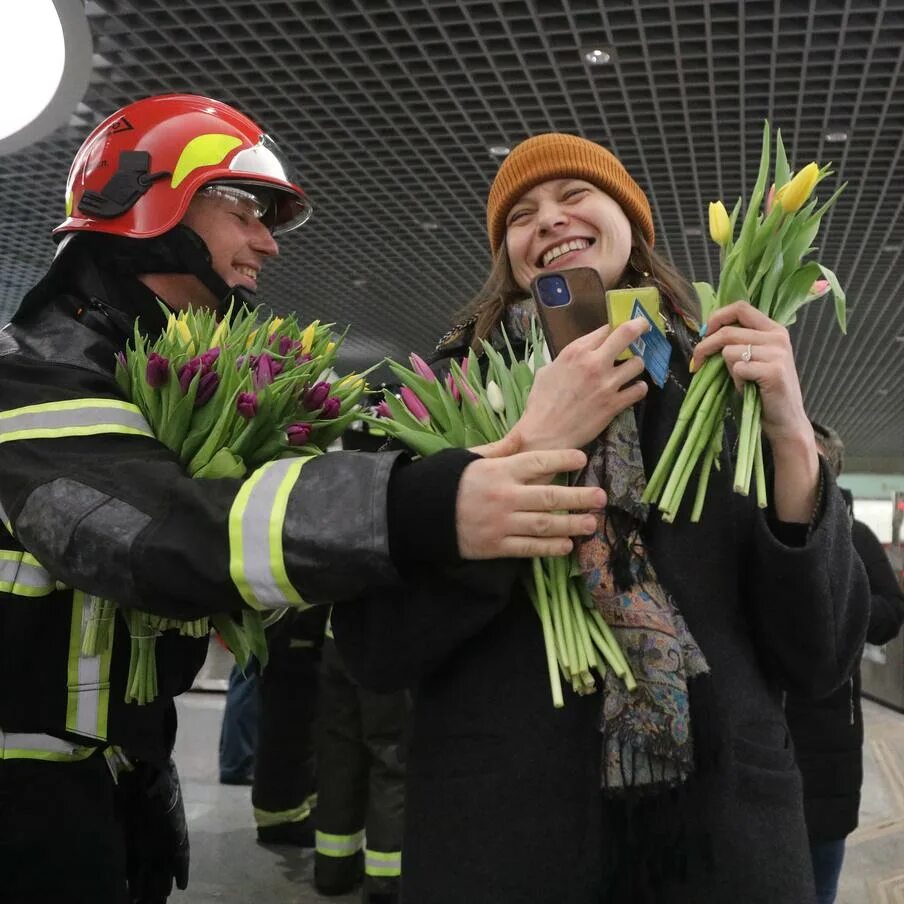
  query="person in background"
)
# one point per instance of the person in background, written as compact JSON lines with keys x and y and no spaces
{"x":238,"y":731}
{"x":683,"y":790}
{"x":179,"y":199}
{"x":828,"y":733}
{"x":361,"y":770}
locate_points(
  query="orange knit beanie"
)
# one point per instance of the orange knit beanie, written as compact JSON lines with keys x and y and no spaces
{"x":555,"y":155}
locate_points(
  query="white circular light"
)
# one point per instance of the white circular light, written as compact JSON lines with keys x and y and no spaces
{"x":837,"y":137}
{"x":47,"y":57}
{"x":597,"y":56}
{"x":499,"y":150}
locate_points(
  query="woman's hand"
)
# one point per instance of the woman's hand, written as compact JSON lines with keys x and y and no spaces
{"x":738,"y":332}
{"x":575,"y":397}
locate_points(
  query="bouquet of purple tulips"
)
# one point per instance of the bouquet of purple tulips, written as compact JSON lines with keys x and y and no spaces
{"x":226,"y":397}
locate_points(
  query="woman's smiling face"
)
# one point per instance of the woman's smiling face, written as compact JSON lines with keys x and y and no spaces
{"x":565,"y":223}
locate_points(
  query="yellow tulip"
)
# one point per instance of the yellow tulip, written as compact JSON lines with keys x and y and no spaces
{"x":307,"y":338}
{"x":218,"y":334}
{"x":719,"y":223}
{"x":275,"y":324}
{"x":330,"y":348}
{"x":793,"y":194}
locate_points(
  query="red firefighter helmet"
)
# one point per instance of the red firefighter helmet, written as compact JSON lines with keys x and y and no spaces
{"x":137,"y":172}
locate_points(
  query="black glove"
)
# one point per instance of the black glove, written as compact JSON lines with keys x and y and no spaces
{"x":155,"y":830}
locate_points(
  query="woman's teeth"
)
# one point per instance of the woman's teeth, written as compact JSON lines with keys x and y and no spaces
{"x":250,"y":272}
{"x":564,"y":248}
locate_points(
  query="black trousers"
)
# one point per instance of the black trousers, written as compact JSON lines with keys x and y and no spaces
{"x":60,"y":836}
{"x":361,"y":776}
{"x":285,"y":772}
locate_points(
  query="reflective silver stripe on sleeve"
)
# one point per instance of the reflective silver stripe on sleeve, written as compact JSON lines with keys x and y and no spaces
{"x":256,"y":536}
{"x":88,"y":677}
{"x":22,"y":575}
{"x":80,"y":417}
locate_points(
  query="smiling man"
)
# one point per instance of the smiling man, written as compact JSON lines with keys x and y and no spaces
{"x":179,"y":199}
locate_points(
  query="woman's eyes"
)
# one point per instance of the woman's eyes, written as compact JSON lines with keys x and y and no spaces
{"x":574,"y":193}
{"x":518,"y":215}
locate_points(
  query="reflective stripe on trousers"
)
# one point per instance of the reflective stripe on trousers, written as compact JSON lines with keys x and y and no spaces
{"x":264,"y":818}
{"x":21,"y":574}
{"x":382,"y":863}
{"x":87,"y":677}
{"x":256,"y":519}
{"x":330,"y":845}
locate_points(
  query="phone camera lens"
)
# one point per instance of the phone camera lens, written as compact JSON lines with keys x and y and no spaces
{"x":553,"y":291}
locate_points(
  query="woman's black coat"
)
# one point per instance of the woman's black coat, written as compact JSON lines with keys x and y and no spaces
{"x":503,"y":801}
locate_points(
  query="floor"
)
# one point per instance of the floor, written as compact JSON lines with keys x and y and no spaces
{"x":229,"y":867}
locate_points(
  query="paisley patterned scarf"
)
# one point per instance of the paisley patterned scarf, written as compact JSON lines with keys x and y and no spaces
{"x":646,"y":733}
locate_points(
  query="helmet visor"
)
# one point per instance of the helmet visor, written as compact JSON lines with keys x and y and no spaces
{"x":288,"y":206}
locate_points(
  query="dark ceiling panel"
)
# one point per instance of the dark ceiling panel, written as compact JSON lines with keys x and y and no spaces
{"x":388,"y":110}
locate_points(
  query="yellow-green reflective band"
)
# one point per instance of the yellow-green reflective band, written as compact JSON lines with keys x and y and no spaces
{"x":78,"y":417}
{"x":26,"y":746}
{"x":265,"y":818}
{"x":338,"y":845}
{"x":22,"y":575}
{"x":382,"y":863}
{"x":88,"y":677}
{"x":256,"y":521}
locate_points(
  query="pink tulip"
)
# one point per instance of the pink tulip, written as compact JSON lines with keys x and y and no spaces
{"x":383,"y":410}
{"x":450,"y":385}
{"x":421,"y":367}
{"x":415,"y":405}
{"x":820,"y":287}
{"x":769,"y":199}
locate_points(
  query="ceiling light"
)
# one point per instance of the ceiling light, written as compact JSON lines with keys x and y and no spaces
{"x":693,"y":231}
{"x":597,"y":56}
{"x":838,"y":136}
{"x":892,"y":249}
{"x":499,"y":150}
{"x":47,"y":56}
{"x":359,"y":283}
{"x":429,"y":226}
{"x":899,"y":338}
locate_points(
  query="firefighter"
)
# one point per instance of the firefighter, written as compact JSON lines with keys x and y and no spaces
{"x":179,"y":198}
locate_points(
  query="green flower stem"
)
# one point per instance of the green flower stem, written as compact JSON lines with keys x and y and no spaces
{"x":603,"y":647}
{"x":700,"y":385}
{"x":703,"y":483}
{"x":741,"y":483}
{"x":556,"y":610}
{"x":706,"y":415}
{"x":760,"y":471}
{"x":538,"y":594}
{"x":580,"y":621}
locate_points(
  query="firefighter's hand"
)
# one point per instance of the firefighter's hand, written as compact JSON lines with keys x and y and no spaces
{"x":156,"y":833}
{"x":507,"y":507}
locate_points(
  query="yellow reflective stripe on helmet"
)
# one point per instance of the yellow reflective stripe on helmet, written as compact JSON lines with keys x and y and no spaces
{"x":22,"y":575}
{"x":88,"y":677}
{"x":265,"y":818}
{"x":256,"y":520}
{"x":203,"y":150}
{"x":338,"y":845}
{"x":382,"y":863}
{"x":27,"y":746}
{"x":79,"y":417}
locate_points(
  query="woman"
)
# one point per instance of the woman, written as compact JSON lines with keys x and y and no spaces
{"x":685,"y":791}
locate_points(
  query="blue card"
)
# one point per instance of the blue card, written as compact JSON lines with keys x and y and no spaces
{"x":653,"y":347}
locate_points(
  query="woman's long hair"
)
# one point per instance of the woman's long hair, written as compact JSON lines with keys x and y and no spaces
{"x":645,"y":268}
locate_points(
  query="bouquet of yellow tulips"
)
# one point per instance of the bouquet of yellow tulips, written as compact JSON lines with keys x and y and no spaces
{"x":765,"y":265}
{"x":226,"y":397}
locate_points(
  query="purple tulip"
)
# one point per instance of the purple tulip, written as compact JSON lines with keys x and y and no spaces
{"x":187,"y":373}
{"x":316,"y":396}
{"x":208,"y":358}
{"x":298,"y":434}
{"x":421,"y":367}
{"x":304,"y":357}
{"x":207,"y":386}
{"x":121,"y":360}
{"x":266,"y":371}
{"x":158,"y":370}
{"x":415,"y":405}
{"x":246,"y":404}
{"x":330,"y":408}
{"x":383,"y":409}
{"x":288,"y":345}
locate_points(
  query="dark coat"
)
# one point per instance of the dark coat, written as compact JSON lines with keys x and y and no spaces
{"x":828,"y":733}
{"x":503,"y":799}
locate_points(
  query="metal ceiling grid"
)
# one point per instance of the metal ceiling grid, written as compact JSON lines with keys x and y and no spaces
{"x":388,"y":110}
